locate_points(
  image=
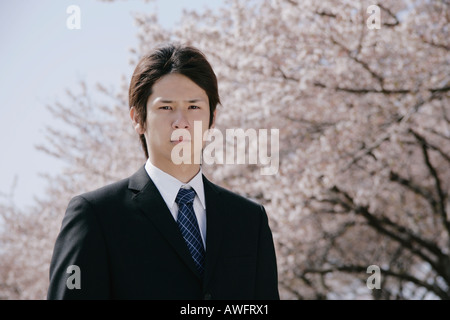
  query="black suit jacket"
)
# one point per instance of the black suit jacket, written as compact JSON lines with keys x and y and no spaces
{"x":128,"y":246}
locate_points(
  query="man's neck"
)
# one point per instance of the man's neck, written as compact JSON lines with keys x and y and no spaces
{"x":182,"y":172}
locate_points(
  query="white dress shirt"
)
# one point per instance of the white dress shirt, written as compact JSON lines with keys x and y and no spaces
{"x":169,"y":186}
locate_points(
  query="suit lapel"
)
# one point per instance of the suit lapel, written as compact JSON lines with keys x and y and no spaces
{"x":151,"y":203}
{"x":214,"y":228}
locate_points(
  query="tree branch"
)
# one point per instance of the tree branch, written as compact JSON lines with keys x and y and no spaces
{"x":386,"y":272}
{"x":389,"y":12}
{"x":435,"y":44}
{"x":441,"y":196}
{"x":363,"y":64}
{"x":380,"y":91}
{"x":436,"y":148}
{"x":428,"y":196}
{"x":401,"y":235}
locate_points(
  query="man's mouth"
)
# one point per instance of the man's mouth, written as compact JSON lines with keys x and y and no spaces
{"x":180,"y":139}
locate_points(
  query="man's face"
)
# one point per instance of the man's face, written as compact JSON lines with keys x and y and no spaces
{"x":175,"y":103}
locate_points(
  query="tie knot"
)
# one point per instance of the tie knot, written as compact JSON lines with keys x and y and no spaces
{"x":185,"y":196}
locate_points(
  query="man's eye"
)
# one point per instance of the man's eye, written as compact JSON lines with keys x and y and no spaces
{"x":165,"y":107}
{"x":194,"y":107}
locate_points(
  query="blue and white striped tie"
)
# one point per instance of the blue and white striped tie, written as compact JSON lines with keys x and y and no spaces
{"x":187,"y":222}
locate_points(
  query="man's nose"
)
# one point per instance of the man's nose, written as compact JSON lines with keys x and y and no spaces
{"x":180,"y":122}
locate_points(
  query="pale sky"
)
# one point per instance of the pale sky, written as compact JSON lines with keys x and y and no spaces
{"x":40,"y":57}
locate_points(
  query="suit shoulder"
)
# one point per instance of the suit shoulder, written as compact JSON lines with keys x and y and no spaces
{"x":105,"y":193}
{"x":236,"y":198}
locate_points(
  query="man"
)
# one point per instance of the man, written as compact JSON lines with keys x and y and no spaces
{"x":166,"y":232}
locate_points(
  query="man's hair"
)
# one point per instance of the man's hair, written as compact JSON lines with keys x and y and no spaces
{"x":170,"y":58}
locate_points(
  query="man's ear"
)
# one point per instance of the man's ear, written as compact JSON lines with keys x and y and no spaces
{"x":213,"y":120}
{"x":135,"y":119}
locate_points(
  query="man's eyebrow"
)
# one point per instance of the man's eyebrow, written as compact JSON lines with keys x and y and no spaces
{"x":189,"y":101}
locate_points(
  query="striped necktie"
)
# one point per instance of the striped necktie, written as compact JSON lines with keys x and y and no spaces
{"x":187,"y":222}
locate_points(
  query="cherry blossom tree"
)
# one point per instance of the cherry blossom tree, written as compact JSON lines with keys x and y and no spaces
{"x":364,"y":125}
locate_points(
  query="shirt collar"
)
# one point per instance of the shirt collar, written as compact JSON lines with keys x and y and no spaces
{"x":168,"y":186}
